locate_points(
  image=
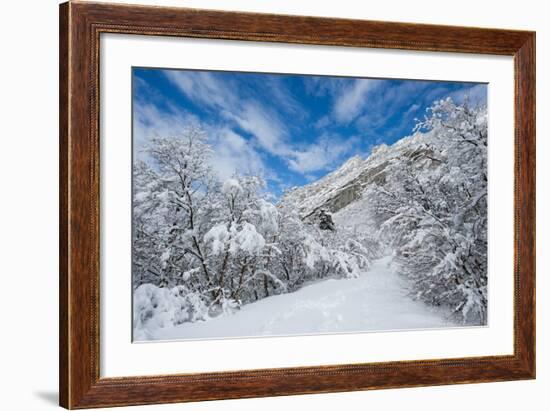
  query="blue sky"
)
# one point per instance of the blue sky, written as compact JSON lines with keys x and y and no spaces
{"x":291,"y":129}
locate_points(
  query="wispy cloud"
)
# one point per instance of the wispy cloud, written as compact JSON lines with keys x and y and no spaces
{"x":328,"y":151}
{"x":320,"y":86}
{"x":202,"y":87}
{"x":150,"y":121}
{"x":265,"y":125}
{"x":323,"y":122}
{"x":393,"y":105}
{"x":351,"y":101}
{"x":244,"y":111}
{"x":234,"y":154}
{"x":411,"y":110}
{"x":284,"y":98}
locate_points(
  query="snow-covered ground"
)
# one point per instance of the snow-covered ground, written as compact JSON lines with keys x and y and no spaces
{"x":378,"y":300}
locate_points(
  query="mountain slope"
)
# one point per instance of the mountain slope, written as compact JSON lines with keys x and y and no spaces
{"x":344,"y":186}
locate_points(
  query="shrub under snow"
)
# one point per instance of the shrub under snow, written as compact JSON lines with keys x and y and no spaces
{"x":156,"y":307}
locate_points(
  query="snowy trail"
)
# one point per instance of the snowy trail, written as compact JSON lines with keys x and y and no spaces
{"x":375,"y":301}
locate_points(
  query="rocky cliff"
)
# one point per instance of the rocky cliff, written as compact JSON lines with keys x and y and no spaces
{"x":345,"y":185}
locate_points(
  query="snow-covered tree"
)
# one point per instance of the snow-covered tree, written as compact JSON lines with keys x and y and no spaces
{"x":221,"y":243}
{"x":241,"y":240}
{"x":172,"y":207}
{"x":432,"y":208}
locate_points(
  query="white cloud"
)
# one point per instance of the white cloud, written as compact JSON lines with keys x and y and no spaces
{"x":374,"y":119}
{"x":327,"y":152}
{"x":284,"y":98}
{"x":312,"y":159}
{"x":350,"y":103}
{"x":234,"y":154}
{"x":202,"y":87}
{"x":322,"y":122}
{"x":150,"y":122}
{"x":270,"y":133}
{"x":248,"y":114}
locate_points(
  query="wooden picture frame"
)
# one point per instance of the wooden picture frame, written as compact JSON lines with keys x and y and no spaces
{"x":80,"y":27}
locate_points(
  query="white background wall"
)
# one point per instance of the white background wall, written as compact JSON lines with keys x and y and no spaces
{"x":28,"y":204}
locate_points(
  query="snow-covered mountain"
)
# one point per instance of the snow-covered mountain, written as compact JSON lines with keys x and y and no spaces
{"x":344,"y":186}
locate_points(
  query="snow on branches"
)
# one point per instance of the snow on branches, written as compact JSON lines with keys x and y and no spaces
{"x":432,"y":209}
{"x":208,"y":246}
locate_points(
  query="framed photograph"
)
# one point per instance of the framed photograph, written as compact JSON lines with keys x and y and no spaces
{"x":259,"y":205}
